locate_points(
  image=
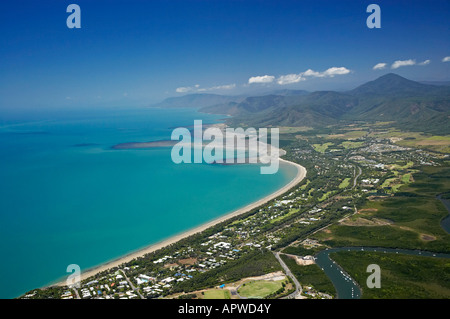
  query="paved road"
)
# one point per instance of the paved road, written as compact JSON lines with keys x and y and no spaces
{"x":298,"y":287}
{"x":132,"y":286}
{"x":356,"y":177}
{"x":76,"y":293}
{"x":240,"y":297}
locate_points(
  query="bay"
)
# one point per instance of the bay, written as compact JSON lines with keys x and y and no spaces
{"x":67,"y":197}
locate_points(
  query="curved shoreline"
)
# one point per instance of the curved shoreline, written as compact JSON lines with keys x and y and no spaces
{"x":301,"y":173}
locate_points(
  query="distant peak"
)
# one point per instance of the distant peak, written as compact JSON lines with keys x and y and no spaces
{"x":391,"y":83}
{"x":392,"y":76}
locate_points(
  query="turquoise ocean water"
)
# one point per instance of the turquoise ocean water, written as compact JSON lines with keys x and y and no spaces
{"x":67,"y":198}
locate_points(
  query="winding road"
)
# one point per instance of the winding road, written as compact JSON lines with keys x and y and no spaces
{"x":298,"y":287}
{"x":356,"y":177}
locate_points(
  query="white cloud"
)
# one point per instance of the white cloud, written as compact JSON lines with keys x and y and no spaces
{"x":184,"y":89}
{"x":446,"y":59}
{"x":290,"y":78}
{"x":331,"y":72}
{"x":310,"y":72}
{"x":261,"y":79}
{"x":379,"y":66}
{"x":400,"y":63}
{"x":425,"y":62}
{"x":197,"y":88}
{"x":294,"y":78}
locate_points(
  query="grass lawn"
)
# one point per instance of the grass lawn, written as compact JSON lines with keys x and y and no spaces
{"x":290,"y":130}
{"x":345,"y":183}
{"x":305,"y":185}
{"x":349,"y":145}
{"x":260,"y":288}
{"x":321,"y":148}
{"x":291,"y":212}
{"x":348,"y":135}
{"x":216,"y":294}
{"x":406,"y":166}
{"x":418,"y":140}
{"x":326,"y":195}
{"x":406,"y":178}
{"x":388,"y":182}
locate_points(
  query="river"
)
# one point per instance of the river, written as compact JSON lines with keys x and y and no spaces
{"x":346,"y":287}
{"x":445,"y":222}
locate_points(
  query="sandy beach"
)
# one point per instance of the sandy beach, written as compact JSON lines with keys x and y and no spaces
{"x":301,"y":173}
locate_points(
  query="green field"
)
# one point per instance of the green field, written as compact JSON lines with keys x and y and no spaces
{"x":345,"y":183}
{"x":350,"y":145}
{"x":260,"y":288}
{"x":303,"y":187}
{"x":388,"y":182}
{"x":290,"y":129}
{"x":291,"y":212}
{"x":396,"y":187}
{"x":216,"y":294}
{"x":406,"y":178}
{"x":434,"y":143}
{"x":326,"y":195}
{"x":347,"y":135}
{"x":438,"y":143}
{"x":321,"y":148}
{"x":415,"y":214}
{"x":402,"y":276}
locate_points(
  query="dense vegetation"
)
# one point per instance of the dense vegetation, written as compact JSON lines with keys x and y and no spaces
{"x":413,"y":106}
{"x":402,"y":276}
{"x":415,"y":213}
{"x":301,"y":251}
{"x":255,"y":263}
{"x":310,"y":275}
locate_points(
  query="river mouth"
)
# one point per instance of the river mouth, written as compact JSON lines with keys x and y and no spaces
{"x":346,"y":287}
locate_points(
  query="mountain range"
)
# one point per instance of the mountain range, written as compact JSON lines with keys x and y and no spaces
{"x":411,"y":105}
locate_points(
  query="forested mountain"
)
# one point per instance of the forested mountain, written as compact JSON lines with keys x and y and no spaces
{"x":412,"y":105}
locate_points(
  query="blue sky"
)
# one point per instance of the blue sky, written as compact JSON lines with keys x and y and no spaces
{"x":140,"y":52}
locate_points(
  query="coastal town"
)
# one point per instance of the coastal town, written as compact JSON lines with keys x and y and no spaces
{"x":264,"y":253}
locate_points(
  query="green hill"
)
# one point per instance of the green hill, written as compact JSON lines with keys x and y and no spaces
{"x":411,"y":105}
